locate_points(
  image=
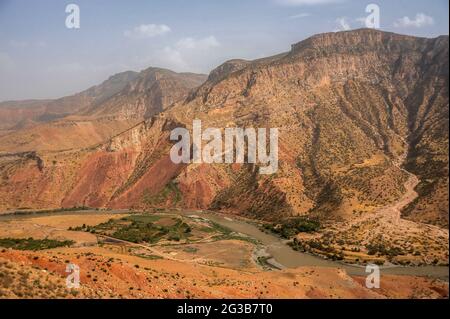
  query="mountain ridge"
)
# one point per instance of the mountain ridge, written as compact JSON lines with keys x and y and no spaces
{"x":349,"y":115}
{"x":105,"y":110}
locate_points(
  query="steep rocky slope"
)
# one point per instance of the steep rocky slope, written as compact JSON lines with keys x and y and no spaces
{"x":92,"y":116}
{"x":354,"y":110}
{"x":18,"y":114}
{"x":149,"y":93}
{"x":15,"y":113}
{"x":349,"y":106}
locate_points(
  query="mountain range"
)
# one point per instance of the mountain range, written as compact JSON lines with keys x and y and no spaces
{"x":363,"y":146}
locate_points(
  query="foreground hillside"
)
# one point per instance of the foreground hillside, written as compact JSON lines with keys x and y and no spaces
{"x":363,"y":121}
{"x":166,"y":279}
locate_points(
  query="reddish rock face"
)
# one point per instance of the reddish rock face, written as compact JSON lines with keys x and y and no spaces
{"x":98,"y":177}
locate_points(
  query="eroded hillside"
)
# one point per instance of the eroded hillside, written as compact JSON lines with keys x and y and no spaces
{"x":359,"y":113}
{"x":95,"y":115}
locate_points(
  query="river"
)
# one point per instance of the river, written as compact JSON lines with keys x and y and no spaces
{"x":282,"y":255}
{"x":287,"y":257}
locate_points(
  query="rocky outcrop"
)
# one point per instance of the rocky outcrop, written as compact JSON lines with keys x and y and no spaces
{"x":149,"y":93}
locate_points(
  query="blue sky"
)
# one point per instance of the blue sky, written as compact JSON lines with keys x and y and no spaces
{"x":41,"y":58}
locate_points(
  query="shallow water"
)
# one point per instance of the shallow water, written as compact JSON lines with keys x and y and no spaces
{"x":289,"y":258}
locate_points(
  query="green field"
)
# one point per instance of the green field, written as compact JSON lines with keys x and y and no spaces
{"x":33,"y":244}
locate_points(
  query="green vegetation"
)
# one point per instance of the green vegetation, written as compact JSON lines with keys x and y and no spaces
{"x":143,"y":218}
{"x":215,"y":227}
{"x":314,"y":246}
{"x":48,"y":211}
{"x":33,"y":244}
{"x":235,"y":236}
{"x":149,"y":257}
{"x":292,"y":227}
{"x":382,"y":250}
{"x":170,"y":192}
{"x":224,"y":233}
{"x":190,"y":250}
{"x":142,"y":229}
{"x":263,"y":261}
{"x":152,"y":229}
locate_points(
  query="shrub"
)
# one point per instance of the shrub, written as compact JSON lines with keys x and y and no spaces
{"x":33,"y":244}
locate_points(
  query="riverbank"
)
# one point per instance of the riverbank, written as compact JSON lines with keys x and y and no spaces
{"x":284,"y":255}
{"x":278,"y":254}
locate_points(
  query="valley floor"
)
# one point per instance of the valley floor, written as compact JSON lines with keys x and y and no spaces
{"x":220,"y":258}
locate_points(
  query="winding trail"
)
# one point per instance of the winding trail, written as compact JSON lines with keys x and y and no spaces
{"x":283,"y":256}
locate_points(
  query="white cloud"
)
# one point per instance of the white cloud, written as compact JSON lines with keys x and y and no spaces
{"x":66,"y":68}
{"x":300,"y":16}
{"x":174,"y":59}
{"x":421,"y":20}
{"x":200,"y":44}
{"x":343,"y":24}
{"x":41,"y":44}
{"x":24,"y":44}
{"x":6,"y":62}
{"x":361,"y":20}
{"x":305,"y":2}
{"x":186,"y":55}
{"x":18,"y":44}
{"x":147,"y":31}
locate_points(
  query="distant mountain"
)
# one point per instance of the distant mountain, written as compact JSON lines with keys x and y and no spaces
{"x":14,"y":112}
{"x":148,"y":93}
{"x":363,"y":122}
{"x":89,"y":117}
